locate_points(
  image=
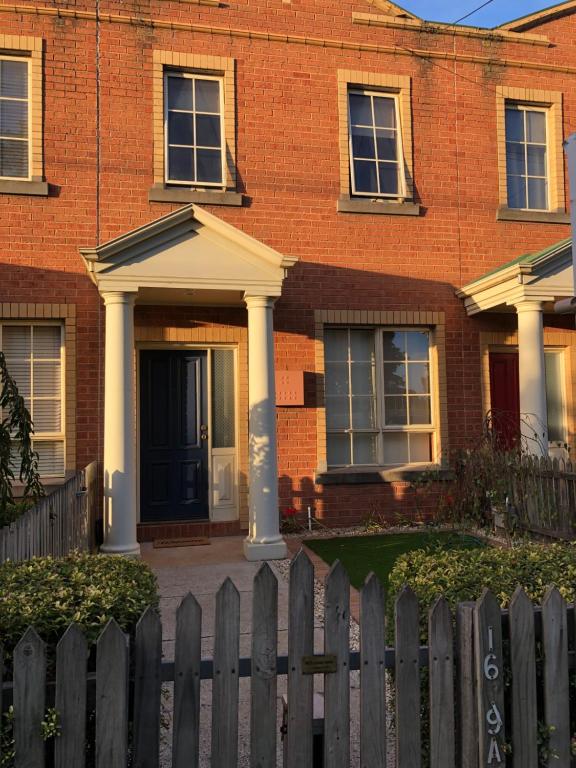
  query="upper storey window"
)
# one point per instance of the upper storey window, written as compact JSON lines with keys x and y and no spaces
{"x":194,"y":130}
{"x":376,"y":165}
{"x":527,"y":157}
{"x":14,"y":119}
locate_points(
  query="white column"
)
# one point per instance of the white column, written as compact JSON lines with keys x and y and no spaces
{"x":119,"y":434}
{"x":264,"y":541}
{"x":532,"y":378}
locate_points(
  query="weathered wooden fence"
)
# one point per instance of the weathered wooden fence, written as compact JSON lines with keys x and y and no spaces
{"x":57,"y":523}
{"x":465,"y":700}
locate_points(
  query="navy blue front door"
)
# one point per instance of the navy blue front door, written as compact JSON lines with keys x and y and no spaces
{"x":173,"y":436}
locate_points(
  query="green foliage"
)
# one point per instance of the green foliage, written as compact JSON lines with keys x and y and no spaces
{"x":16,"y":430}
{"x":50,"y":728}
{"x":50,"y":593}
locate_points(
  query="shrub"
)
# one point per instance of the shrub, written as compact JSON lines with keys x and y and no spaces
{"x":50,"y":593}
{"x":461,"y":575}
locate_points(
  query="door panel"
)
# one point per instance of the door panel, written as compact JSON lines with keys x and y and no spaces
{"x":173,"y":447}
{"x":505,"y":397}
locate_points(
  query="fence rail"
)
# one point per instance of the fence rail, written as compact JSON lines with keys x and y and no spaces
{"x":57,"y":523}
{"x":465,"y":699}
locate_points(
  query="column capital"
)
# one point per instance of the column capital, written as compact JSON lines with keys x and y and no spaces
{"x":119,"y":297}
{"x":528,"y":305}
{"x":264,"y":302}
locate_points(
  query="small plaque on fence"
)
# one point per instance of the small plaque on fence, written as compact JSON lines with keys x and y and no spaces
{"x":319,"y":665}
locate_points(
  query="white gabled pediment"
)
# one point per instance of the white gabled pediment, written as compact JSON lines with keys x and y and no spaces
{"x":189,"y":249}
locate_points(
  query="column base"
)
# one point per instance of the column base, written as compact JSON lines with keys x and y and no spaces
{"x":127,"y":550}
{"x":255,"y":550}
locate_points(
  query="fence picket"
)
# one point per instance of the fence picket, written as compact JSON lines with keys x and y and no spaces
{"x":29,"y":700}
{"x":372,"y":675}
{"x":407,"y":681}
{"x":556,"y":694}
{"x":523,"y":666}
{"x":441,"y":672}
{"x":467,"y":716}
{"x":226,"y":677}
{"x":263,"y":678}
{"x":187,"y":653}
{"x":337,"y":684}
{"x":112,"y":698}
{"x":300,"y":644}
{"x":147,"y":690}
{"x":70,"y":703}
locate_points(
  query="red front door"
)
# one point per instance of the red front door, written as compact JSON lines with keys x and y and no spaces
{"x":505,"y":397}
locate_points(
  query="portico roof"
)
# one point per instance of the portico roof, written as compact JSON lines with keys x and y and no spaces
{"x":544,"y":276}
{"x":188,"y":250}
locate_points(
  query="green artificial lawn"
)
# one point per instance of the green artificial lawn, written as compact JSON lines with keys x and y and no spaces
{"x":362,"y":554}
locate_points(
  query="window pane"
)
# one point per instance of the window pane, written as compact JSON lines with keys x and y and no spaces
{"x":180,"y":93}
{"x":181,"y":164}
{"x":515,"y":158}
{"x":394,"y":345}
{"x":395,"y":411}
{"x":418,"y":345}
{"x":46,"y":379}
{"x":16,"y":341}
{"x":47,"y":339}
{"x":360,"y":109}
{"x":395,"y":378}
{"x":388,"y":178}
{"x":514,"y":125}
{"x":361,"y":346}
{"x":14,"y":118}
{"x":555,"y":396}
{"x":363,"y":413}
{"x":223,"y":406}
{"x":338,"y":449}
{"x":537,"y":194}
{"x":338,"y":412}
{"x":21,"y":372}
{"x":180,"y":128}
{"x":363,"y":142}
{"x":420,"y":447}
{"x":14,"y":79}
{"x":336,"y":379}
{"x":395,"y":448}
{"x":419,"y":407}
{"x":208,"y":132}
{"x":536,"y":127}
{"x":365,"y":451}
{"x":208,"y":96}
{"x":47,"y":416}
{"x":386,"y":143}
{"x":209,"y":165}
{"x":536,"y":161}
{"x":384,"y":112}
{"x":362,"y":379}
{"x":516,"y":191}
{"x":336,"y":344}
{"x":13,"y":158}
{"x":365,"y":176}
{"x":418,"y":378}
{"x":51,"y":457}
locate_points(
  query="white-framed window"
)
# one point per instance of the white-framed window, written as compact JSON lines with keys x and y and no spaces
{"x":378,"y":395}
{"x":35,"y":359}
{"x":527,"y":159}
{"x":376,"y":158}
{"x":14,"y":118}
{"x":555,"y":399}
{"x":194,"y":129}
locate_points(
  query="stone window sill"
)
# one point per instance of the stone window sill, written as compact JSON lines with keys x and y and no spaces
{"x":34,"y":187}
{"x":347,"y":204}
{"x":543,"y":217}
{"x":163,"y":194}
{"x":371,"y":475}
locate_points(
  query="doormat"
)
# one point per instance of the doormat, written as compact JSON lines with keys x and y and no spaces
{"x":194,"y":541}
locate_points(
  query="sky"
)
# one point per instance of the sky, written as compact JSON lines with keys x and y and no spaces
{"x":497,"y":12}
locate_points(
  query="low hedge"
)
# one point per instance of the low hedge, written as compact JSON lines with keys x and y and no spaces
{"x":50,"y":593}
{"x":461,"y":575}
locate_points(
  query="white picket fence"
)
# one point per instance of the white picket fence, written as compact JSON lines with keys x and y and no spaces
{"x":465,"y":700}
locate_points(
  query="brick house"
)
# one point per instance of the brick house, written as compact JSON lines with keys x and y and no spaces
{"x":199,"y":199}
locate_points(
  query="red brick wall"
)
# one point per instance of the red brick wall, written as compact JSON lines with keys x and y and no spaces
{"x":98,"y":161}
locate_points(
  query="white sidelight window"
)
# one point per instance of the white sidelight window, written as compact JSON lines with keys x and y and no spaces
{"x":527,"y":157}
{"x":194,"y":130}
{"x":376,"y":163}
{"x":378,"y":395}
{"x":555,"y":402}
{"x":34,"y":356}
{"x":14,"y":118}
